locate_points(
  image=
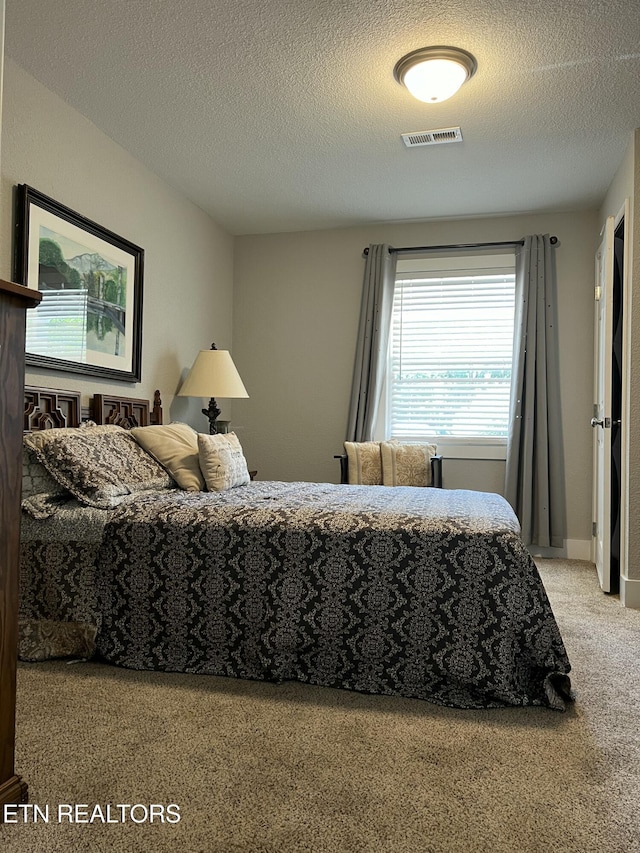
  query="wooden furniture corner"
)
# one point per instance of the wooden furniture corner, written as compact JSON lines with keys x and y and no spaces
{"x":14,"y":300}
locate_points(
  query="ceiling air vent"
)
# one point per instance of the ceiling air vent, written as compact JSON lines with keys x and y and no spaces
{"x":432,"y":137}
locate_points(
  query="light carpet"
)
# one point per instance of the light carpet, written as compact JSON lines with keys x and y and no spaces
{"x":261,"y":768}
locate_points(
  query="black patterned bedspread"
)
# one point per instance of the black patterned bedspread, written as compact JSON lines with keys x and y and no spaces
{"x":58,"y":613}
{"x":425,"y":593}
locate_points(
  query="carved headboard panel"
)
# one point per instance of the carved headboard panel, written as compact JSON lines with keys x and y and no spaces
{"x":126,"y":412}
{"x":49,"y":408}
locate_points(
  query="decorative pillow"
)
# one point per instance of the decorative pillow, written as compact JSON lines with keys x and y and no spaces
{"x":406,"y":464}
{"x":365,"y":464}
{"x":44,"y":639}
{"x":98,"y":464}
{"x":222,"y":461}
{"x":175,"y":446}
{"x":36,"y":480}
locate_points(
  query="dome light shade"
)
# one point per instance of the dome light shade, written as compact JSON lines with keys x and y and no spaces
{"x":433,"y":74}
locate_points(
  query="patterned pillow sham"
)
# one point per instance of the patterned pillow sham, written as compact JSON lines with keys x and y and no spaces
{"x":175,"y":446}
{"x":36,"y":480}
{"x":44,"y":639}
{"x":222,"y":461}
{"x":41,"y":494}
{"x":98,"y":464}
{"x":406,"y":464}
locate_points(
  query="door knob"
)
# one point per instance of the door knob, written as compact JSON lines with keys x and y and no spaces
{"x":597,"y":422}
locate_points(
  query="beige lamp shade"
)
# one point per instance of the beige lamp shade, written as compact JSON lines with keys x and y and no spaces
{"x":213,"y":375}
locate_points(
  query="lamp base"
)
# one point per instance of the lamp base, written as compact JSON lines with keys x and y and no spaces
{"x":213,"y":412}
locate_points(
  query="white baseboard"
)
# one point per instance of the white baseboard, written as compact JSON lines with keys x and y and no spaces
{"x":573,"y":549}
{"x":630,"y":592}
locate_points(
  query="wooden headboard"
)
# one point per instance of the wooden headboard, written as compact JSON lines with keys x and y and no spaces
{"x":126,"y":412}
{"x":51,"y":408}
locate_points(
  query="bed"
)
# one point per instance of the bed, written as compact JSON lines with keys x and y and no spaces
{"x":416,"y":592}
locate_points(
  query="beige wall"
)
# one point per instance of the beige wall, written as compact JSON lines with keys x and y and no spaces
{"x":626,"y":185}
{"x":296,"y":306}
{"x":188,"y":277}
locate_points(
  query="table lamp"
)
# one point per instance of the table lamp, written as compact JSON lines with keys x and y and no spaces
{"x":213,"y":375}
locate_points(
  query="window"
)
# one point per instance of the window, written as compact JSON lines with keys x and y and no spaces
{"x":450,"y":353}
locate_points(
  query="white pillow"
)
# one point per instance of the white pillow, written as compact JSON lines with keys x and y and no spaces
{"x":222,"y":461}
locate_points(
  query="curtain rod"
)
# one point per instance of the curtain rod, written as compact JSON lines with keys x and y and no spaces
{"x":407,"y":249}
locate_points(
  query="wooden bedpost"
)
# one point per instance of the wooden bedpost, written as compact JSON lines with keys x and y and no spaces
{"x":156,"y":413}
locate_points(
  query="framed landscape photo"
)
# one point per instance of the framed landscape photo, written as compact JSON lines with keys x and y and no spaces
{"x":90,"y":317}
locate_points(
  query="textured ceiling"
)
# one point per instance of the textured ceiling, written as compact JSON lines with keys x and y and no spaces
{"x":284,"y":115}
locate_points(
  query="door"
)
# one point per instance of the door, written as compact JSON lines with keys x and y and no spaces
{"x":617,"y":399}
{"x":601,"y":421}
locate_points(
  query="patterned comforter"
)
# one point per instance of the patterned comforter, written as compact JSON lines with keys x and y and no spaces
{"x":58,"y":615}
{"x":425,"y":593}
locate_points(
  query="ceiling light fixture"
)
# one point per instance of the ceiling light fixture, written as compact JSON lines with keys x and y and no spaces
{"x":433,"y":74}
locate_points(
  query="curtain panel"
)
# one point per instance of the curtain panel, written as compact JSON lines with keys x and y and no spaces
{"x":534,"y":482}
{"x":373,"y":341}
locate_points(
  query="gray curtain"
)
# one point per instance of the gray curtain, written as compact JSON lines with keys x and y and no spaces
{"x":534,"y":473}
{"x":373,"y":340}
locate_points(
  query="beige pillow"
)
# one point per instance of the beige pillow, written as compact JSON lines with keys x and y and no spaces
{"x":222,"y":461}
{"x":175,"y":447}
{"x":365,"y":464}
{"x":406,"y":464}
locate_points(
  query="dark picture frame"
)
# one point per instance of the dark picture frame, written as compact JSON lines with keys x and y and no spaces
{"x":90,"y":317}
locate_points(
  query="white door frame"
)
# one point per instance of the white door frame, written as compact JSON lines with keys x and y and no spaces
{"x":601,"y":421}
{"x":625,"y":212}
{"x":613,"y":223}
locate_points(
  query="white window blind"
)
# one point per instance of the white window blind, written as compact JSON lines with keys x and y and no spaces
{"x":451,"y":350}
